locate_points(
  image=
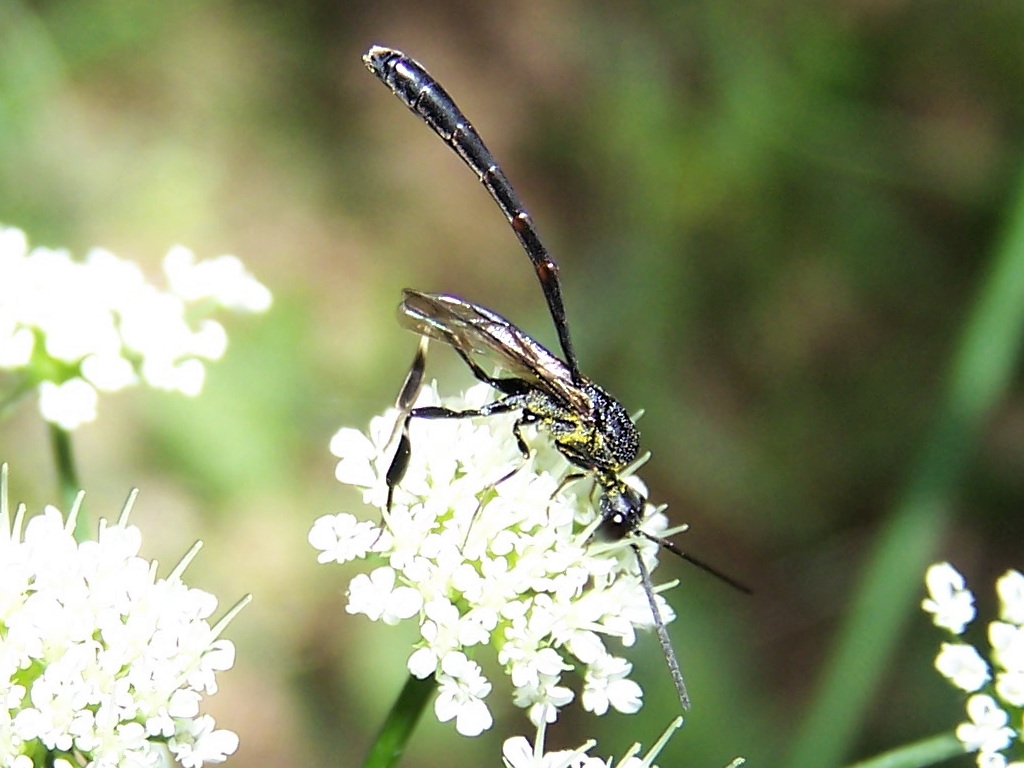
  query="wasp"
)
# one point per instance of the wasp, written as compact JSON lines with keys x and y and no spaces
{"x":588,"y":426}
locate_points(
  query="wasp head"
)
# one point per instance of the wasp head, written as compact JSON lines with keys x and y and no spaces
{"x":622,"y":507}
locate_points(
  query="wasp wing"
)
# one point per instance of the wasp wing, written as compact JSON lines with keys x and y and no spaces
{"x":475,"y":329}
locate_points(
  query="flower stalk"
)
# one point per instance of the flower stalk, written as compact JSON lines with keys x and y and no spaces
{"x":389,"y":746}
{"x":67,"y":476}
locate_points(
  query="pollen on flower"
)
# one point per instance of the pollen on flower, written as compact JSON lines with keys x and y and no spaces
{"x":102,"y":663}
{"x":78,"y":326}
{"x":498,"y":550}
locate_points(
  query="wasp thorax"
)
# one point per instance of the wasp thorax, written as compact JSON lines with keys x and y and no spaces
{"x":620,"y":437}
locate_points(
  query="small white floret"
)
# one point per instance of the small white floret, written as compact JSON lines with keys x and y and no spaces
{"x":1010,"y":588}
{"x":987,"y":730}
{"x":963,"y":666}
{"x":950,"y":602}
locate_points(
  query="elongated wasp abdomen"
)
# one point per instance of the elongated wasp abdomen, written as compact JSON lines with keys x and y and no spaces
{"x":410,"y":82}
{"x":588,"y":426}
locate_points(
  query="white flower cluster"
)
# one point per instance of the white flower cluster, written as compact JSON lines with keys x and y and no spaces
{"x":517,"y":752}
{"x":996,"y":706}
{"x":102,"y":664}
{"x":483,"y":547}
{"x":74,"y":328}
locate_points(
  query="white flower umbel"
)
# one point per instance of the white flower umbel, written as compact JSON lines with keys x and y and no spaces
{"x":483,"y":548}
{"x":102,"y":663}
{"x":995,"y":709}
{"x":517,"y":752}
{"x":74,"y":328}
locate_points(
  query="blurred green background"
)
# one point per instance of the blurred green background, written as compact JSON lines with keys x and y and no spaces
{"x":772,"y":219}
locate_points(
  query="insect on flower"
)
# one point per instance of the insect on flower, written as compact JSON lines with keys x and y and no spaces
{"x":588,"y":426}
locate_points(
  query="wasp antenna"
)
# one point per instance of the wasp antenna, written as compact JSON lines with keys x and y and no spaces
{"x":707,"y":568}
{"x":659,"y":626}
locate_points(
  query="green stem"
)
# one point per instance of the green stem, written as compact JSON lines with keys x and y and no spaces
{"x":68,"y":485}
{"x":22,"y":386}
{"x":891,"y":581}
{"x":401,"y":720}
{"x":930,"y":751}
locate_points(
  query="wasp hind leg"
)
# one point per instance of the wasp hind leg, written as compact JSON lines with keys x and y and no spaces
{"x":406,"y":397}
{"x":512,"y":391}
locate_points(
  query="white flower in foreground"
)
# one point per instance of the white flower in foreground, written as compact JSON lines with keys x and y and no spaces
{"x":517,"y":752}
{"x":78,"y":327}
{"x":102,"y":663}
{"x":485,"y":548}
{"x":994,"y":713}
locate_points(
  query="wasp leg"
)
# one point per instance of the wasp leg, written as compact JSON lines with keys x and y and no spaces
{"x":517,"y":432}
{"x":480,"y":504}
{"x":400,"y":462}
{"x":406,"y":398}
{"x":414,"y":379}
{"x":410,"y":387}
{"x":572,"y":477}
{"x":512,"y":389}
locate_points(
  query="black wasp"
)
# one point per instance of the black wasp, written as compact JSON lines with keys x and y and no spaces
{"x":590,"y":427}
